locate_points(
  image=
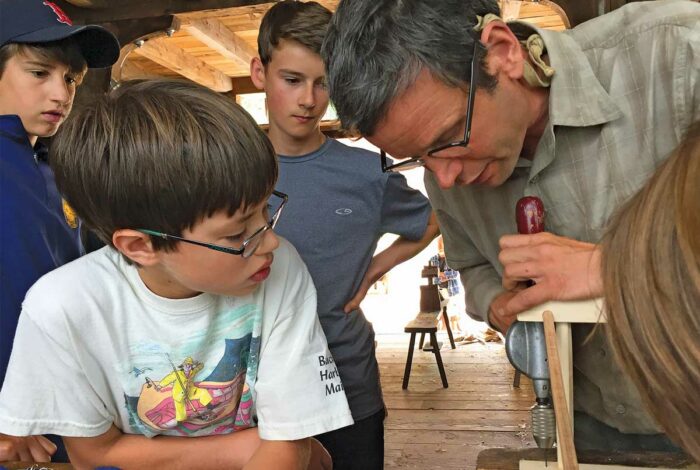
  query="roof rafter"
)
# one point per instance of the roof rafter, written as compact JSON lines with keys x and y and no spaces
{"x":177,"y":60}
{"x":217,"y":36}
{"x":133,"y":71}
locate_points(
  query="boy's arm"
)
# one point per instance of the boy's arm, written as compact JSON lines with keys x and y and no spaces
{"x":26,"y":449}
{"x":398,"y":252}
{"x":302,"y":454}
{"x":136,"y":451}
{"x":242,"y":449}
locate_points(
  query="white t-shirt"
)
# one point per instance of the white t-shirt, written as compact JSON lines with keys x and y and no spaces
{"x":95,"y":347}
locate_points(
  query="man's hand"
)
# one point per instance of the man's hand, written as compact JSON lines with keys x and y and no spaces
{"x":562,"y":269}
{"x":26,"y":449}
{"x":498,"y":316}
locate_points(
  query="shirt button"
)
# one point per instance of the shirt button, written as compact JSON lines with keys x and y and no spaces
{"x":602,"y":352}
{"x":620,"y":409}
{"x":535,"y":179}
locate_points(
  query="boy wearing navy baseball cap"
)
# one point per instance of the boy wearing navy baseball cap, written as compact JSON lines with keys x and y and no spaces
{"x":43,"y":58}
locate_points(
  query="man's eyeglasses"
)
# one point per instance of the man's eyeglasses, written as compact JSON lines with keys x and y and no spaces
{"x":415,"y":162}
{"x":275,"y":205}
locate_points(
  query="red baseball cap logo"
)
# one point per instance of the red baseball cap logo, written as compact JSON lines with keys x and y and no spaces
{"x":60,"y":15}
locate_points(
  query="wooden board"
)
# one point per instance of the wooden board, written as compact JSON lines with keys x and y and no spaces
{"x":424,"y":321}
{"x":575,"y":311}
{"x":399,"y":438}
{"x":464,"y":420}
{"x":537,"y":465}
{"x":465,"y":354}
{"x":509,"y":459}
{"x":458,"y":401}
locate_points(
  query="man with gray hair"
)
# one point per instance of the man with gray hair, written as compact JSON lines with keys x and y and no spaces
{"x":497,"y":111}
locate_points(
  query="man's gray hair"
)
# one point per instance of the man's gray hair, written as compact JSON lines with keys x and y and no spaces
{"x":375,"y":49}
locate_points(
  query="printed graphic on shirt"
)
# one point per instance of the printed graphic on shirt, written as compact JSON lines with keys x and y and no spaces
{"x":200,"y":386}
{"x":330,"y":377}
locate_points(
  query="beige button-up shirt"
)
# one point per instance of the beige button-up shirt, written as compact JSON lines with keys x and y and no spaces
{"x":626,"y":89}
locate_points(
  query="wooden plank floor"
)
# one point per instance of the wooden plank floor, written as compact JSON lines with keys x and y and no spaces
{"x":429,"y":427}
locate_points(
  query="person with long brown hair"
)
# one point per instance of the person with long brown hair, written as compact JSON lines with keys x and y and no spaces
{"x":651,"y":282}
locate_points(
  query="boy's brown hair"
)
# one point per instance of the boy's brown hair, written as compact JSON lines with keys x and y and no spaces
{"x":161,"y":155}
{"x":66,"y":51}
{"x":303,"y":22}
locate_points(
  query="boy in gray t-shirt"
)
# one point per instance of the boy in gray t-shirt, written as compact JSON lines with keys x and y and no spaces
{"x":340,"y":205}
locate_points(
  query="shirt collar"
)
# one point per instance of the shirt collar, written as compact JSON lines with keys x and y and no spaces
{"x":576,"y":97}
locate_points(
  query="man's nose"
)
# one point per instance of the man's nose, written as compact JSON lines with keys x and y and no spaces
{"x":445,"y":171}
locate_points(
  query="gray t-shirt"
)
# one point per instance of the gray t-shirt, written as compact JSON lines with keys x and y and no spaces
{"x":340,"y":204}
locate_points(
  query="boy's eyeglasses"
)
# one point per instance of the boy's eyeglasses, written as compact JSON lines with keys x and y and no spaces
{"x":415,"y":162}
{"x":250,"y":244}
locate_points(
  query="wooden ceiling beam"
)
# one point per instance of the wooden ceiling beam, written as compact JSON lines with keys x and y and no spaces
{"x":102,"y":11}
{"x":217,"y":36}
{"x":254,"y":11}
{"x":131,"y":70}
{"x":115,"y":10}
{"x":177,"y":60}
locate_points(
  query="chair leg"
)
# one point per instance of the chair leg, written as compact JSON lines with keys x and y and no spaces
{"x":409,"y":360}
{"x":422,"y":339}
{"x":438,"y":358}
{"x":516,"y":379}
{"x":446,"y":319}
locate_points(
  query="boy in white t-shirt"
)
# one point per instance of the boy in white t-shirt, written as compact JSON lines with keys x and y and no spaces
{"x":182,"y":326}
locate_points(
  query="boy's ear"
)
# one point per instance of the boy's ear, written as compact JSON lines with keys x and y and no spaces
{"x":136,"y":246}
{"x":257,"y":73}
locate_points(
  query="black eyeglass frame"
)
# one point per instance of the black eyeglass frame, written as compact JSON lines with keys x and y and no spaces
{"x":417,"y":161}
{"x":224,"y":249}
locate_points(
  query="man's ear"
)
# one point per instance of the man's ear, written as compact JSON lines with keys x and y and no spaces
{"x":136,"y":246}
{"x":257,"y":73}
{"x":505,"y":54}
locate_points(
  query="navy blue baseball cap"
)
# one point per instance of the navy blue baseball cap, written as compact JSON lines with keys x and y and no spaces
{"x":40,"y":21}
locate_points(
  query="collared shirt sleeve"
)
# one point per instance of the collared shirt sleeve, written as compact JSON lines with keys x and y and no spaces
{"x":481,"y":285}
{"x":298,"y":389}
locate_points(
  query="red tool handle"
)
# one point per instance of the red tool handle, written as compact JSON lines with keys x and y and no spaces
{"x":529,"y":217}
